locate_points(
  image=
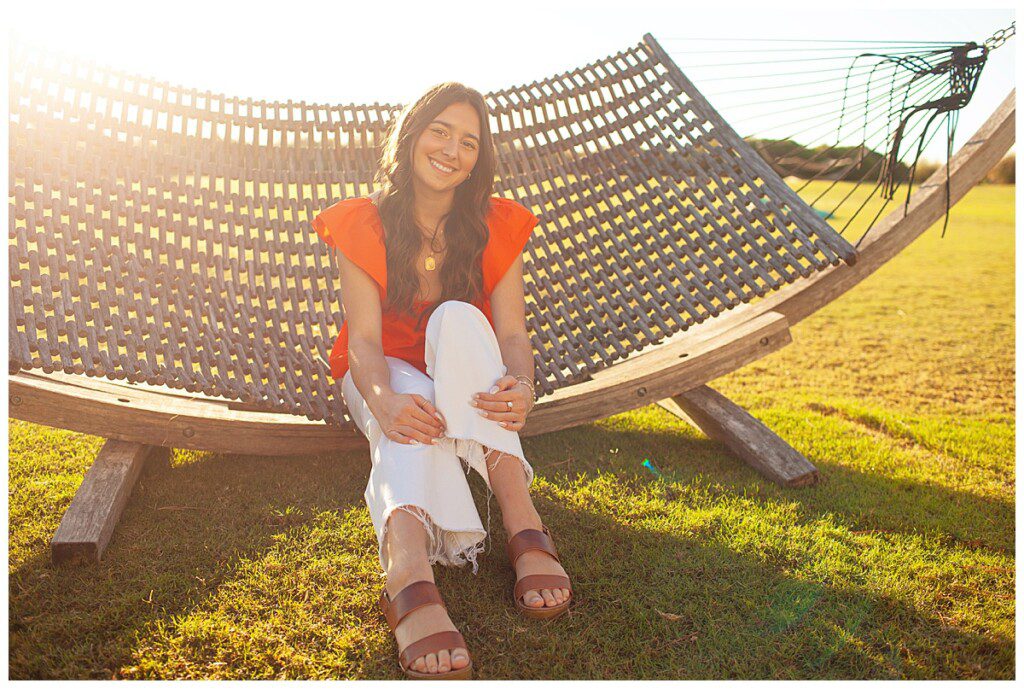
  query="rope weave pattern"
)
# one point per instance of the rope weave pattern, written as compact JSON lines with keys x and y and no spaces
{"x":161,"y":235}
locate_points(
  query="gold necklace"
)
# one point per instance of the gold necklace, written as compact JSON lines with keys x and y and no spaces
{"x":429,"y":263}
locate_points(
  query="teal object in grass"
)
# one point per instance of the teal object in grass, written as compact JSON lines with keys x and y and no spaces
{"x":653,"y":469}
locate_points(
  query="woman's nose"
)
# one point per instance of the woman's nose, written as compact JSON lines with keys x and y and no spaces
{"x":450,"y":149}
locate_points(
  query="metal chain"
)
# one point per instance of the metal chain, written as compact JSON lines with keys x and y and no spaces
{"x":1001,"y":36}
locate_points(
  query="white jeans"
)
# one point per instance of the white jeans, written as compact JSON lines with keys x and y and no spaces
{"x":462,"y":358}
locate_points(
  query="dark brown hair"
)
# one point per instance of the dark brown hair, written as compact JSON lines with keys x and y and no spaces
{"x":466,"y":231}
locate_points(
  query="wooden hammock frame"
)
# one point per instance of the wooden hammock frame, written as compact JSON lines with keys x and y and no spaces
{"x":143,"y":422}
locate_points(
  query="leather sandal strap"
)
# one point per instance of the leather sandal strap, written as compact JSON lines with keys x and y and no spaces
{"x":434,"y":643}
{"x":530,"y":539}
{"x":412,"y":597}
{"x":536,"y":582}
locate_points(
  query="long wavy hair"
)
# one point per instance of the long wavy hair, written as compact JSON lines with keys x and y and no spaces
{"x":466,"y":232}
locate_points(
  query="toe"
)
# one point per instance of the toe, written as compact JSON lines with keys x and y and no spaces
{"x":460,"y":658}
{"x":444,"y":661}
{"x":419,"y":665}
{"x":565,"y":594}
{"x":549,"y":600}
{"x":432,"y":662}
{"x":557,"y":593}
{"x":533,"y":599}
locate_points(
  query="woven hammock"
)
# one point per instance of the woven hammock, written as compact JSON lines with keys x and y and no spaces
{"x":160,"y":235}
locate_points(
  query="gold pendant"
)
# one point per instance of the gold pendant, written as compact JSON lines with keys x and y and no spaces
{"x":429,"y":263}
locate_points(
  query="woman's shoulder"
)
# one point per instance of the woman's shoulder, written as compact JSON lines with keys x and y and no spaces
{"x":515,"y":218}
{"x":512,"y":224}
{"x":507,"y":207}
{"x":358,"y":210}
{"x":349,"y":219}
{"x":356,"y":204}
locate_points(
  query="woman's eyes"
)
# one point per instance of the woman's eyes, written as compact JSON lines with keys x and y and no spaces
{"x":470,"y":145}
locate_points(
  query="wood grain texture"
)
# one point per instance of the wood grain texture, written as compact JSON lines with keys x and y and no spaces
{"x":748,"y":438}
{"x":87,"y":526}
{"x":137,"y":414}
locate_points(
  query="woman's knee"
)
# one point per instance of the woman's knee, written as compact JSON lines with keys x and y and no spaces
{"x":408,"y":380}
{"x":459,"y":317}
{"x":455,"y":309}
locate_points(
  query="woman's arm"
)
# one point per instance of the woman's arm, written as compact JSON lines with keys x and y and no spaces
{"x":404,"y":418}
{"x":508,"y":310}
{"x":361,"y":303}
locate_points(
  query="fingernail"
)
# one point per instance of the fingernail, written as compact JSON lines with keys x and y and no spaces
{"x":481,"y":412}
{"x":438,"y":416}
{"x":493,"y":389}
{"x":414,"y":442}
{"x":473,"y":403}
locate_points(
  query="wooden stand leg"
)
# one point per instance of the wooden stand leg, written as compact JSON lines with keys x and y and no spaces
{"x":748,"y":438}
{"x":89,"y":522}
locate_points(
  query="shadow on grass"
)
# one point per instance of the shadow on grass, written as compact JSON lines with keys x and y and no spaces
{"x":253,"y":567}
{"x":651,"y":604}
{"x":184,"y":533}
{"x":865,"y":499}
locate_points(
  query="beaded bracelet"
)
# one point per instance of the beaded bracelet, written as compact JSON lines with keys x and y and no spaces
{"x":529,"y":383}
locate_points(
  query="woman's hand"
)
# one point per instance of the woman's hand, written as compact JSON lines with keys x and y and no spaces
{"x":410,"y":419}
{"x":494,"y":405}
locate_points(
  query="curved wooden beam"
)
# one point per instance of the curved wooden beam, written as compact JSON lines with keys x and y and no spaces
{"x":171,"y":418}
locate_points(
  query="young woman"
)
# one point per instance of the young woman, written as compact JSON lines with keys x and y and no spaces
{"x":437,"y":368}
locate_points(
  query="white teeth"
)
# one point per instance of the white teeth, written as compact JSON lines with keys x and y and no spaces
{"x":441,"y":167}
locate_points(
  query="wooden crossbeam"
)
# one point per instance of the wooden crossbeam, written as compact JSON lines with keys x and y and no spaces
{"x":89,"y":522}
{"x":183,"y":420}
{"x":753,"y":442}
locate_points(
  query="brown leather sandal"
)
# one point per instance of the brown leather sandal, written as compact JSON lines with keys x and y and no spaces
{"x":523,"y":542}
{"x":414,"y":596}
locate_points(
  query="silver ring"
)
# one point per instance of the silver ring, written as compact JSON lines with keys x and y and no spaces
{"x":509,"y":405}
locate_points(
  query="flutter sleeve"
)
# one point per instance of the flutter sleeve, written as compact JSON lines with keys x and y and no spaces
{"x":353,"y":227}
{"x":515,"y":225}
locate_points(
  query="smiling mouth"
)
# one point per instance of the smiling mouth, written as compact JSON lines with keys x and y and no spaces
{"x":443,"y":169}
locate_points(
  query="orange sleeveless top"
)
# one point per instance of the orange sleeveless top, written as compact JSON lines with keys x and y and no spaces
{"x":354,"y":227}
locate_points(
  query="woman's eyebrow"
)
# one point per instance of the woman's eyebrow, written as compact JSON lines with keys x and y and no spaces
{"x":448,"y":124}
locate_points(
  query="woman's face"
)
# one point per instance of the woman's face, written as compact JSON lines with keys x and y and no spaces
{"x":448,"y":148}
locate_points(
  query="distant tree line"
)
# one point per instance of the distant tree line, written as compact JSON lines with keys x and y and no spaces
{"x":1004,"y":171}
{"x":852,"y":163}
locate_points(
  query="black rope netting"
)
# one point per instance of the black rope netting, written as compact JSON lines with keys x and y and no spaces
{"x":889,"y":96}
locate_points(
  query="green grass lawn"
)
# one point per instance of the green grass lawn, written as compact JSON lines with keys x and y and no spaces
{"x":898,"y":565}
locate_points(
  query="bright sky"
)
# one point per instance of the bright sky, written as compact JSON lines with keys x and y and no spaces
{"x":345,"y":51}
